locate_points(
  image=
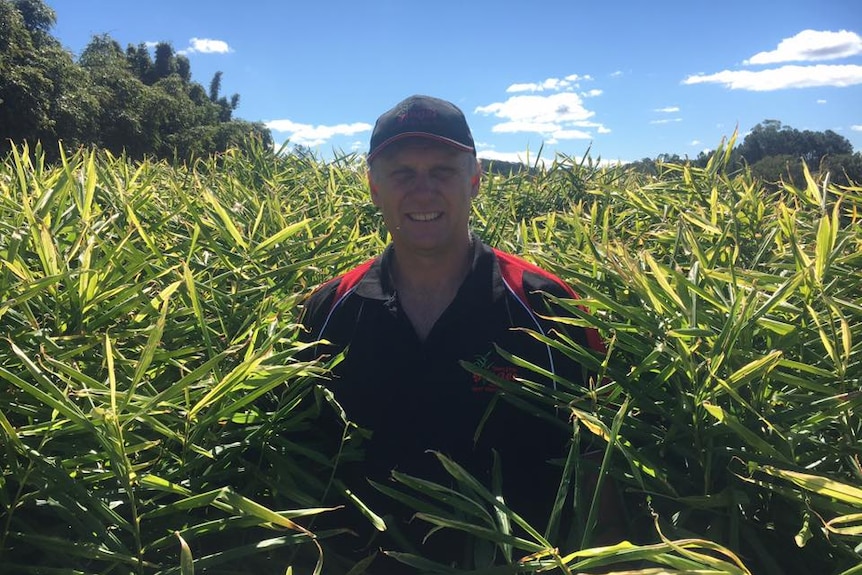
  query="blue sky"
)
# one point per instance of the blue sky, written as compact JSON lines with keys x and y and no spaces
{"x":625,"y":79}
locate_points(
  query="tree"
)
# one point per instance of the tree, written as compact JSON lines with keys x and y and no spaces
{"x":818,"y":145}
{"x":42,"y":91}
{"x":763,"y":140}
{"x":140,"y":62}
{"x":703,"y":158}
{"x":38,"y":18}
{"x":226,"y":107}
{"x":215,"y":86}
{"x":24,"y":109}
{"x":168,"y":110}
{"x":644,"y":166}
{"x":670,"y":159}
{"x":770,"y":138}
{"x":184,"y":68}
{"x":843,"y":169}
{"x":124,"y":101}
{"x":776,"y":153}
{"x":73,"y":107}
{"x":121,"y":97}
{"x":103,"y":52}
{"x":165,"y":63}
{"x":199,"y":141}
{"x":778,"y":169}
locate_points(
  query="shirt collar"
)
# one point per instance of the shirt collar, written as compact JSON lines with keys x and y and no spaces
{"x":377,"y":283}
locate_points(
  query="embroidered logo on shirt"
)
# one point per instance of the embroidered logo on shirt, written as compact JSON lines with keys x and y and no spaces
{"x":482,"y":385}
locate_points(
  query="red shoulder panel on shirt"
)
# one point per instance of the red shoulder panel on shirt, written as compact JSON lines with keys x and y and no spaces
{"x":350,"y":279}
{"x":513,"y":268}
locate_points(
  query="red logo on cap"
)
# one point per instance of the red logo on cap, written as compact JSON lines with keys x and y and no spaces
{"x":417,"y":116}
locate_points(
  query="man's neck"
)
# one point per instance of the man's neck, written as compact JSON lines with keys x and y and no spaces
{"x":427,"y":285}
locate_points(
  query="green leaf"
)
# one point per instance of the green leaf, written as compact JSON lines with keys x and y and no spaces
{"x":53,"y":398}
{"x":825,"y":245}
{"x":225,"y":218}
{"x":819,"y":484}
{"x":751,"y":438}
{"x":846,"y":525}
{"x":187,"y":562}
{"x":756,"y":369}
{"x":280,"y":236}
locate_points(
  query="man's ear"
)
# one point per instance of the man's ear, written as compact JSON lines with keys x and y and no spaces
{"x":373,"y":187}
{"x":476,"y":179}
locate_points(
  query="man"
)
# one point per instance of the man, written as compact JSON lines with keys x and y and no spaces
{"x":435,"y":298}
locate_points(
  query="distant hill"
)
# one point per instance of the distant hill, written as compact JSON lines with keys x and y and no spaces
{"x":503,"y":168}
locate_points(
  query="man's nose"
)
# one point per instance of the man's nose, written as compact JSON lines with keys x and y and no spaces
{"x":423,"y":183}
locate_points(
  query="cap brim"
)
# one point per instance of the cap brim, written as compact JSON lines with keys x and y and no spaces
{"x":424,"y":135}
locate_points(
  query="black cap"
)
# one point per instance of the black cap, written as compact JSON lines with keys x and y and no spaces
{"x":422,"y":117}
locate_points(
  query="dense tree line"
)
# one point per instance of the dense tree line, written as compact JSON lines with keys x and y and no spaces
{"x":773,"y":152}
{"x":776,"y":153}
{"x":122,"y":100}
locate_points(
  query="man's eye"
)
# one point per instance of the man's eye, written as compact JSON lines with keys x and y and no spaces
{"x":442,"y":173}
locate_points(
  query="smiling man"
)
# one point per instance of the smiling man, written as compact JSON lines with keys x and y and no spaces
{"x":436,"y":297}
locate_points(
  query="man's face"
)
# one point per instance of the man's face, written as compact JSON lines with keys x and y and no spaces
{"x":424,"y":190}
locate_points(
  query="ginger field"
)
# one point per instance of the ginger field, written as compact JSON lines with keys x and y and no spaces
{"x":156,"y":417}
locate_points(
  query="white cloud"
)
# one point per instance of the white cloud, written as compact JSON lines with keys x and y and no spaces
{"x":666,"y":121}
{"x":571,"y":135}
{"x":513,"y":157}
{"x":308,"y":135}
{"x":616,"y":74}
{"x":592,"y":93}
{"x":565,"y":107}
{"x":668,"y":109}
{"x":524,"y":126}
{"x":856,"y":127}
{"x":811,"y":45}
{"x":206,"y":46}
{"x":529,"y":158}
{"x":695,"y":143}
{"x":551,"y":84}
{"x":806,"y":46}
{"x":783,"y":77}
{"x":821,"y":101}
{"x":554,"y":116}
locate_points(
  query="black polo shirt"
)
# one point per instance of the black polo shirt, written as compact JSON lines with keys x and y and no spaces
{"x":416,"y":395}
